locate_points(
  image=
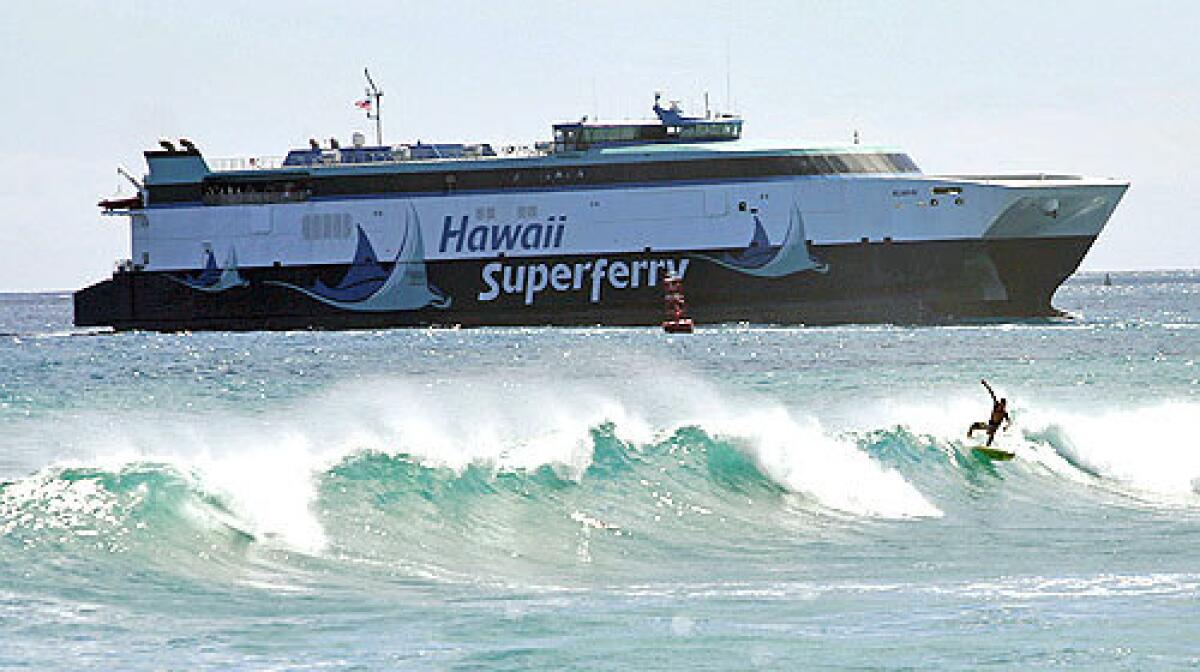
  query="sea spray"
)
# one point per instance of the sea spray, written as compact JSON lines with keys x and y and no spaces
{"x":1148,"y":448}
{"x":802,"y":457}
{"x":1141,"y":449}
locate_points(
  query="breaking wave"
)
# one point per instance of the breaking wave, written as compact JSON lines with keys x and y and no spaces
{"x":450,"y":481}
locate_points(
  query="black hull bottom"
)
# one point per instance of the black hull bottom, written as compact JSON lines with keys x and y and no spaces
{"x":907,"y":283}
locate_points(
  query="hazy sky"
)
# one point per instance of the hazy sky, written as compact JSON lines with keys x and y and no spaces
{"x":1099,"y":88}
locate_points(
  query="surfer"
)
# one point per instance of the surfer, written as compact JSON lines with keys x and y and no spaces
{"x":999,"y":415}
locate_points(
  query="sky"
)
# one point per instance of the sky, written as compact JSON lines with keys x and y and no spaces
{"x":1087,"y":87}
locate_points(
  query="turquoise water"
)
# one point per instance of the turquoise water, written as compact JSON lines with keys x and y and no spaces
{"x":742,"y":498}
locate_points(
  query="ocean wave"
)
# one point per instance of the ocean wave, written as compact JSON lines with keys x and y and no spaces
{"x":1147,"y":449}
{"x":394,"y":473}
{"x":1142,"y":451}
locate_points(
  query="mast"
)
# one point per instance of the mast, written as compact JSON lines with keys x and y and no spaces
{"x":375,"y":93}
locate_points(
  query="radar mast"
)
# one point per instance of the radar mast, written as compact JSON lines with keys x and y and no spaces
{"x":375,"y":93}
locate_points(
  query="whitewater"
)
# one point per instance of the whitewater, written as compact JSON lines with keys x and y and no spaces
{"x":745,"y":497}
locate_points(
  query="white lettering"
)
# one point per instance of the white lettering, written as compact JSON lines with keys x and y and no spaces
{"x":618,"y":275}
{"x":489,"y":278}
{"x":580,"y":269}
{"x":537,"y":282}
{"x":560,"y":277}
{"x":597,"y":276}
{"x":529,"y":280}
{"x":654,"y":266}
{"x":514,"y":279}
{"x":679,"y":270}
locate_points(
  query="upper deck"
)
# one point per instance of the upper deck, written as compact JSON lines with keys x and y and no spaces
{"x":671,"y":136}
{"x":671,"y":127}
{"x":671,"y":148}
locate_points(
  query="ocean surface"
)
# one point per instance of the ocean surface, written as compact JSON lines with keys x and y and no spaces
{"x":742,"y":498}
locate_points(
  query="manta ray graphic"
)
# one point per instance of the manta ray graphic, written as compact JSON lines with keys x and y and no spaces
{"x":762,"y":259}
{"x":364,"y":277}
{"x":757,"y":254}
{"x":370,"y":286}
{"x":213,"y":278}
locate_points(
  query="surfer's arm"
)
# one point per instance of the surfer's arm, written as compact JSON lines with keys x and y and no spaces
{"x":989,"y":389}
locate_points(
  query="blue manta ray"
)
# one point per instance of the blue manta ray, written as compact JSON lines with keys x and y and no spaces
{"x":208,"y":277}
{"x":364,"y":277}
{"x":212,"y":278}
{"x":757,"y":253}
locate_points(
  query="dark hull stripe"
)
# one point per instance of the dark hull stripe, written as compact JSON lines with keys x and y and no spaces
{"x":928,"y":282}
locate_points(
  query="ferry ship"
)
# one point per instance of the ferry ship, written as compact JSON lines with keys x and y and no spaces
{"x":583,"y":230}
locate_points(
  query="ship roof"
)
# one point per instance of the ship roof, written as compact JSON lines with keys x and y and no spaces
{"x":599,"y":155}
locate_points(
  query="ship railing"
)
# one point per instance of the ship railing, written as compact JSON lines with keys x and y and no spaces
{"x":399,"y":156}
{"x":1016,"y":177}
{"x":246,"y":163}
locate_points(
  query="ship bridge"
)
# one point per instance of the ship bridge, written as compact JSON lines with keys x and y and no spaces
{"x":670,"y":127}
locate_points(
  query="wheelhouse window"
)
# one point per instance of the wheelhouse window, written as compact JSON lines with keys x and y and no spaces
{"x":255,"y":193}
{"x":575,"y":137}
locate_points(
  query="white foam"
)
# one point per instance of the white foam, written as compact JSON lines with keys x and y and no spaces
{"x":1151,"y":448}
{"x":267,"y":465}
{"x":799,"y":455}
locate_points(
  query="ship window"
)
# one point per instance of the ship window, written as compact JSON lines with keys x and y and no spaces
{"x":874,"y":163}
{"x":325,"y":226}
{"x":904,"y":164}
{"x":253,"y":193}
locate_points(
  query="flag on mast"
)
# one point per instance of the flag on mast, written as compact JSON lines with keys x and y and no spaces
{"x":364,"y":104}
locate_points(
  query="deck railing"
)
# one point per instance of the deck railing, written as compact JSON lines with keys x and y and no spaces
{"x":246,"y":163}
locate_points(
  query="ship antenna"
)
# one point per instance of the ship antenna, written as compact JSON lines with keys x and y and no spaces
{"x":728,"y":78}
{"x":374,"y":92}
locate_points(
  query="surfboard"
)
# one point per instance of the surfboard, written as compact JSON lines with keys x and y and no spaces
{"x":1002,"y":448}
{"x":993,"y":453}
